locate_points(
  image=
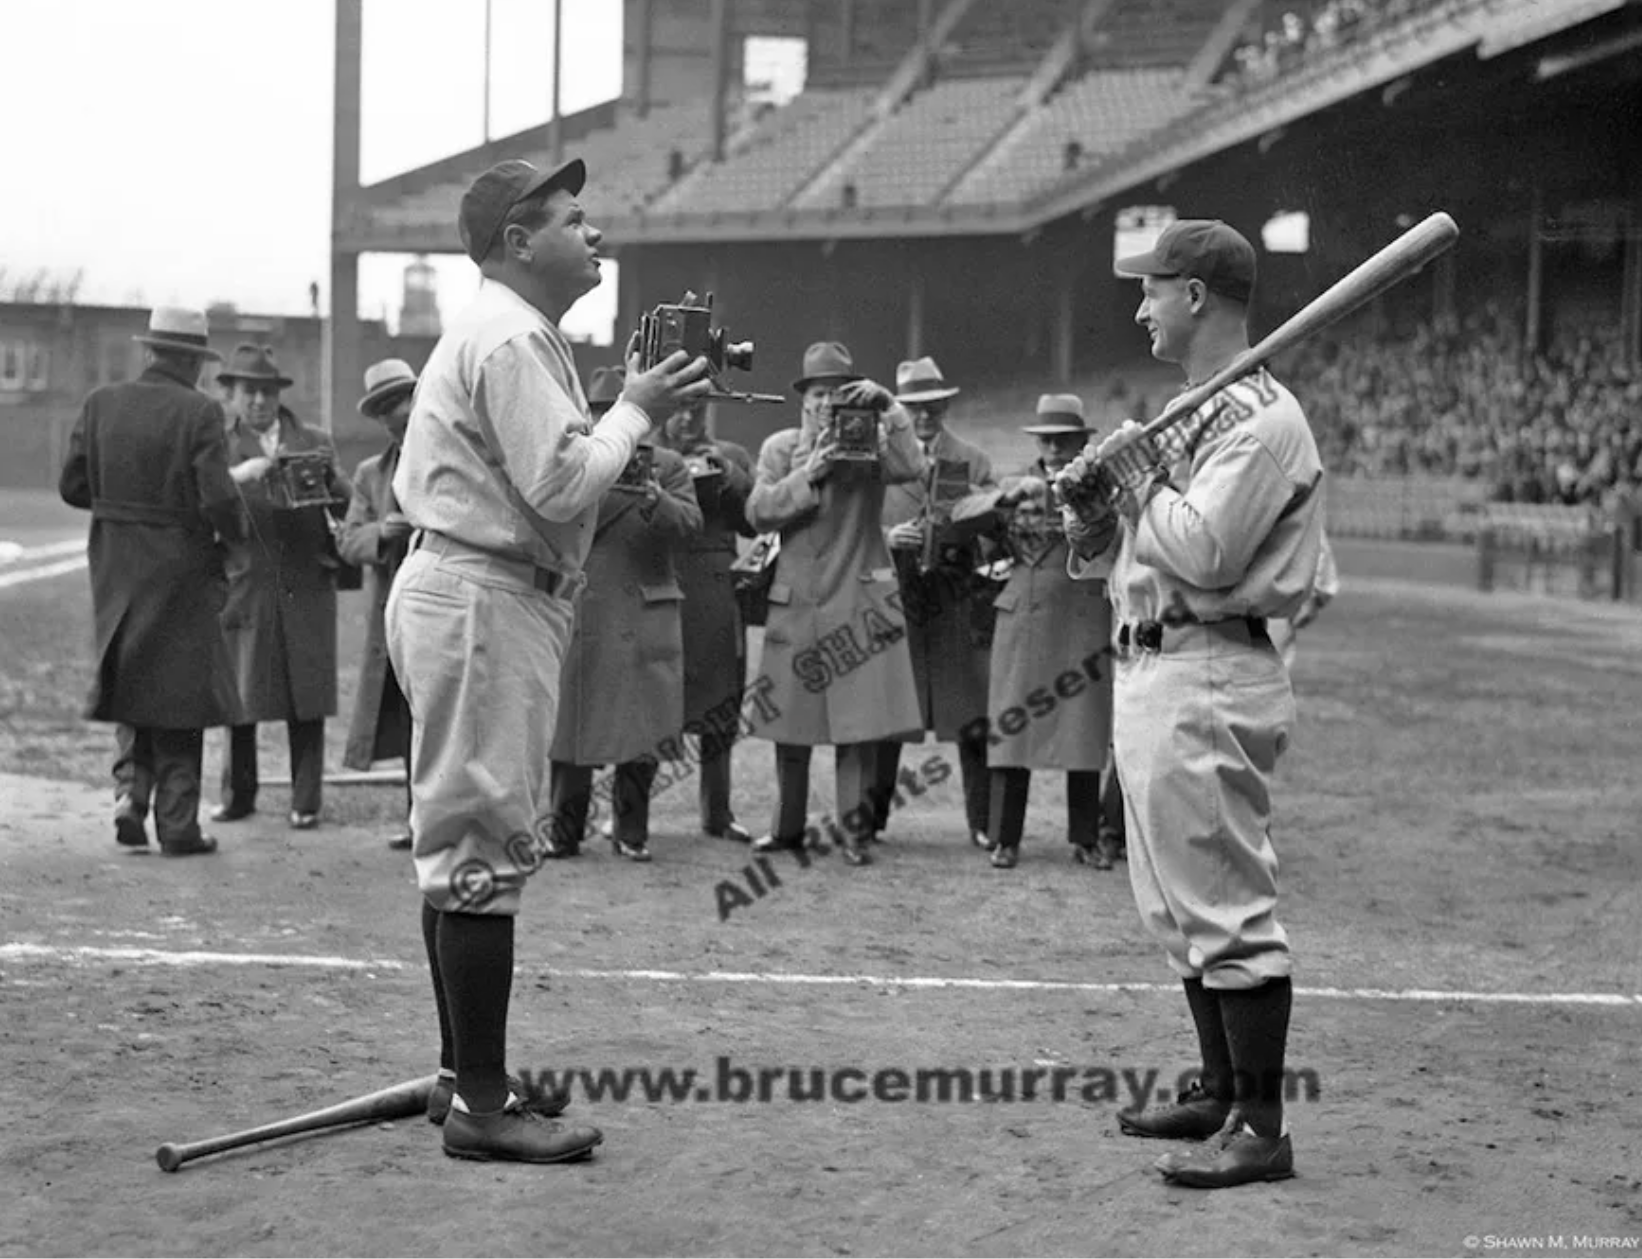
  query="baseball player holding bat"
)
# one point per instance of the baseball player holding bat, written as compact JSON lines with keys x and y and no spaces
{"x":1209,"y":527}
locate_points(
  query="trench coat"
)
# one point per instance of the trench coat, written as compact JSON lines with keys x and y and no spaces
{"x":372,"y":734}
{"x":1049,"y":628}
{"x":281,"y":612}
{"x":147,"y":458}
{"x":835,"y":647}
{"x":715,"y":641}
{"x":621,"y":686}
{"x":948,"y":610}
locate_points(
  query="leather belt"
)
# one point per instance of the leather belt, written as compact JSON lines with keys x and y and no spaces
{"x":550,"y":581}
{"x":1247,"y":631}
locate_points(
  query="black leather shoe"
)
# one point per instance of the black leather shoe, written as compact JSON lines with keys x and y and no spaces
{"x":232,"y":811}
{"x":633,"y":852}
{"x":1240,"y":1157}
{"x":734,"y":831}
{"x":401,"y":842}
{"x":130,"y":828}
{"x":198,"y":847}
{"x":516,"y":1134}
{"x":444,"y":1089}
{"x":1091,"y":855}
{"x":1193,"y":1116}
{"x":1006,"y":856}
{"x":773,"y":843}
{"x":304,"y":821}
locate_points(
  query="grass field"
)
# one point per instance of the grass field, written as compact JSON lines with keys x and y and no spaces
{"x":1457,"y":820}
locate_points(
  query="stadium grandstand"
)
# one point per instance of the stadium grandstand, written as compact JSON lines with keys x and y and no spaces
{"x":951,"y":177}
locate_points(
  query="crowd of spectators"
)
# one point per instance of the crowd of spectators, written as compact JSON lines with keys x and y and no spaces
{"x":1463,"y":397}
{"x":1277,"y":44}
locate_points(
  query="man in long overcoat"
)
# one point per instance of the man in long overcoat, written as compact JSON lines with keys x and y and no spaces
{"x":146,"y":458}
{"x":948,"y":608}
{"x":715,"y":640}
{"x":281,"y":613}
{"x":621,"y":687}
{"x":835,"y":652}
{"x":376,"y":538}
{"x":1050,"y":706}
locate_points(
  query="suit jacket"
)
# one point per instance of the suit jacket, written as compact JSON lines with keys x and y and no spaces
{"x":147,"y":459}
{"x":281,"y":613}
{"x":360,"y":543}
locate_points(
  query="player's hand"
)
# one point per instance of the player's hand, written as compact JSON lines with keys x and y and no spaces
{"x":677,"y":381}
{"x":394,"y":528}
{"x":906,"y":537}
{"x":253,"y":469}
{"x":863,"y":393}
{"x":819,"y":464}
{"x":1129,"y":455}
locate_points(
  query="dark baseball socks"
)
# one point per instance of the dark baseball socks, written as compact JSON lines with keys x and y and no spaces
{"x":472,"y":961}
{"x":1257,"y":1028}
{"x":1211,"y":1039}
{"x":430,"y":941}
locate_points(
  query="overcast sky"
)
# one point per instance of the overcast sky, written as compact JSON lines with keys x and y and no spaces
{"x":180,"y":150}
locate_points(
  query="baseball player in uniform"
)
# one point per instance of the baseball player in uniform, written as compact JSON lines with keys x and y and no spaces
{"x":501,"y":475}
{"x":1216,"y":530}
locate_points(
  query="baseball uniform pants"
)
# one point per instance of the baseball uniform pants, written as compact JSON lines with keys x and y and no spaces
{"x":477,"y":648}
{"x":1198,"y":729}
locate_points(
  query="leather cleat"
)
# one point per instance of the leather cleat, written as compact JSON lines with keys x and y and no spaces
{"x":402,"y":843}
{"x":982,"y":841}
{"x":444,"y":1089}
{"x":773,"y":843}
{"x":733,"y":831}
{"x":633,"y":852}
{"x":1239,"y":1157}
{"x":1193,"y":1116}
{"x":130,"y":829}
{"x":516,"y":1134}
{"x":199,"y":846}
{"x":304,"y":821}
{"x":1006,"y":856}
{"x":232,"y":811}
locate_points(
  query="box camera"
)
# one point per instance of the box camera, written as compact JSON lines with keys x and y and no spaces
{"x":688,"y":327}
{"x":301,"y":480}
{"x":700,"y":467}
{"x":855,"y":430}
{"x":637,"y":474}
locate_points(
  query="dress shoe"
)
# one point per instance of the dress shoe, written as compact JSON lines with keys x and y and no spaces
{"x":401,"y":842}
{"x":1239,"y":1157}
{"x":633,"y":852}
{"x":1006,"y":856}
{"x":773,"y":843}
{"x":304,"y":821}
{"x":1091,"y":855}
{"x":982,"y":841}
{"x":855,"y":852}
{"x":199,"y":846}
{"x":129,"y":827}
{"x":516,"y":1134}
{"x":232,"y":811}
{"x":1193,"y":1116}
{"x":444,"y":1089}
{"x":732,"y":831}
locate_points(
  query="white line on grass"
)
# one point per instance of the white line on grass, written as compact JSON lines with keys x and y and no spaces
{"x":42,"y":572}
{"x":161,"y":957}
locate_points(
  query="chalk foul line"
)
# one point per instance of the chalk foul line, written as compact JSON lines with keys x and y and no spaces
{"x":85,"y":954}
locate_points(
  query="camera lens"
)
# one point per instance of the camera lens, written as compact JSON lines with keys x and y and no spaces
{"x":739,"y":355}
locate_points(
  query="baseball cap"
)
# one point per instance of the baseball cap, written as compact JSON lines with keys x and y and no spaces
{"x":485,"y":204}
{"x":1208,"y":249}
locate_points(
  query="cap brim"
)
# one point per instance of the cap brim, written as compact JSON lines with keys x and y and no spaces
{"x":1143,"y":264}
{"x":572,"y":177}
{"x":183,"y":347}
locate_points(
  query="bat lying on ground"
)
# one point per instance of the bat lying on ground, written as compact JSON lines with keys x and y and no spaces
{"x":397,"y":1102}
{"x":1399,"y":260}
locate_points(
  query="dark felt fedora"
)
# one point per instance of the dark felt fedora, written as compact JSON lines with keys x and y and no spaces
{"x":254,"y":362}
{"x":826,"y":360}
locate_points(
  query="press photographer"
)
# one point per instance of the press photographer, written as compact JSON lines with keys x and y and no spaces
{"x":280,"y":618}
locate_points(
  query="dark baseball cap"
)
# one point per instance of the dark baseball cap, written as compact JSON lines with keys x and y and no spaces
{"x":1208,"y":249}
{"x":486,"y":203}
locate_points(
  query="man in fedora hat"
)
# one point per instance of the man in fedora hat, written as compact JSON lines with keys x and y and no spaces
{"x":281,"y":613}
{"x":835,"y":641}
{"x":375,"y":537}
{"x":1215,"y":524}
{"x":147,"y":458}
{"x":715,"y":640}
{"x":622,"y":685}
{"x":1050,"y":705}
{"x":948,"y":606}
{"x":501,"y":475}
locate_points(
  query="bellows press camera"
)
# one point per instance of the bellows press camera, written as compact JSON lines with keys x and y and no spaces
{"x":855,"y":430}
{"x":300,"y":479}
{"x":688,"y":326}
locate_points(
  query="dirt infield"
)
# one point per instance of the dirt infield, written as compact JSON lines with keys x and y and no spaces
{"x":1457,"y":823}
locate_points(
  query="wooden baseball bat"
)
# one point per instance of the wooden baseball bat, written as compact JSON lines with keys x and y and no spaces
{"x":1389,"y":267}
{"x":397,"y":1102}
